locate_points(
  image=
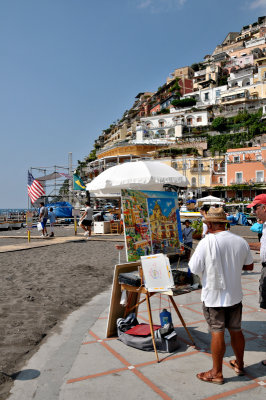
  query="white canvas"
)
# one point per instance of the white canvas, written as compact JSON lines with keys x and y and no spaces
{"x":157,"y":273}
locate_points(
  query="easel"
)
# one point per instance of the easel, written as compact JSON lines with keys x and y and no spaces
{"x":132,"y":290}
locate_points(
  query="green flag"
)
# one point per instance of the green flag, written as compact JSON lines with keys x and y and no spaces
{"x":78,"y":183}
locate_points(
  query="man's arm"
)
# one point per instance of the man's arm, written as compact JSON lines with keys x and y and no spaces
{"x":248,"y":267}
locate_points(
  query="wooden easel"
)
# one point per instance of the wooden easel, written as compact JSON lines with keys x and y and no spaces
{"x":132,"y":290}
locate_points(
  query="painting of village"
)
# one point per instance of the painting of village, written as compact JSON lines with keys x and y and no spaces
{"x":151,"y":223}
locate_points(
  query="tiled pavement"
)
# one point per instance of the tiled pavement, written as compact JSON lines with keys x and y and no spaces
{"x":104,"y":368}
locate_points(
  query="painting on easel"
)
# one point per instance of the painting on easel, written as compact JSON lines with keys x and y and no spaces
{"x":151,"y":223}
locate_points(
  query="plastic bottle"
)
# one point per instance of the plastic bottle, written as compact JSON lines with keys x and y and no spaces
{"x":165,"y":317}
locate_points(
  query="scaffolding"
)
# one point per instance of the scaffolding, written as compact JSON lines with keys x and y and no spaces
{"x":57,"y":182}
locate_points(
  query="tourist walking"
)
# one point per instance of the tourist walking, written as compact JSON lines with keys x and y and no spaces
{"x":259,"y":206}
{"x":187,"y":238}
{"x":86,"y":219}
{"x":52,"y":218}
{"x":43,"y":218}
{"x":220,"y":258}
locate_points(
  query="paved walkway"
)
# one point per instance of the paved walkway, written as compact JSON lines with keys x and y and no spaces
{"x":37,"y":241}
{"x":78,"y":362}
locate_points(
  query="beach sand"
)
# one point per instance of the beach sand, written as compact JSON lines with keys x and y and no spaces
{"x":39,"y":287}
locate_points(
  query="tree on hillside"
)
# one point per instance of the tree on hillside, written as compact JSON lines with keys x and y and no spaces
{"x":219,"y":124}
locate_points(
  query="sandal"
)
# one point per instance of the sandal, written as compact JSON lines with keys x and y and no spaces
{"x":208,"y":377}
{"x":238,"y":371}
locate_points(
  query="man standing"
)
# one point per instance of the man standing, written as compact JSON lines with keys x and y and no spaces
{"x":86,"y":219}
{"x":220,"y":258}
{"x":259,"y":206}
{"x":43,"y":218}
{"x":187,"y":237}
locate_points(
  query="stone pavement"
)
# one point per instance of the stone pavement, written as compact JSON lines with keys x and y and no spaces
{"x":79,"y":362}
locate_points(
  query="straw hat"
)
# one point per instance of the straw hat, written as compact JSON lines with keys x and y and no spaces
{"x":215,"y":215}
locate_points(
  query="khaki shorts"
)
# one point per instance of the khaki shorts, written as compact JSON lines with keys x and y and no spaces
{"x":219,"y":318}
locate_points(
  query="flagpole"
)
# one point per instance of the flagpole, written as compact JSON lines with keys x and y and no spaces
{"x":70,"y":184}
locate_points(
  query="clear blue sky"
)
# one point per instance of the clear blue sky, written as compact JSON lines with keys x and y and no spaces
{"x":69,"y":68}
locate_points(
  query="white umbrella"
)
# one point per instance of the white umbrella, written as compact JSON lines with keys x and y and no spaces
{"x":210,"y":200}
{"x":140,"y":175}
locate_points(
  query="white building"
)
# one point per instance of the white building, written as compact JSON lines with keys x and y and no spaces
{"x":208,"y":96}
{"x":241,"y":77}
{"x":170,"y":126}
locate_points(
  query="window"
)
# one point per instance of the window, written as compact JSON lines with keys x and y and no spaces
{"x":239,"y":177}
{"x":193,"y":182}
{"x":259,"y":176}
{"x":258,"y":157}
{"x":236,"y":159}
{"x":189,"y":121}
{"x":161,"y":124}
{"x":206,"y":96}
{"x":201,"y":180}
{"x":264,"y":75}
{"x":199,"y":119}
{"x":201,"y":166}
{"x":221,"y":180}
{"x":218,"y":93}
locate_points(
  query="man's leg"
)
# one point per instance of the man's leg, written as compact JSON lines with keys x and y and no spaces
{"x":238,"y":345}
{"x":215,"y":375}
{"x":218,"y":350}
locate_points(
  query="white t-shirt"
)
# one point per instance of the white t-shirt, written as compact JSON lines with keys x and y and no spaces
{"x":263,"y":244}
{"x":235,"y":253}
{"x":89,"y":213}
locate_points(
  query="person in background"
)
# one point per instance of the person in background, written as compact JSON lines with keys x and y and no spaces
{"x":204,"y":209}
{"x":259,"y":206}
{"x":52,"y":218}
{"x":86,"y":219}
{"x":259,"y":221}
{"x":187,"y":237}
{"x":220,"y":258}
{"x":43,"y":218}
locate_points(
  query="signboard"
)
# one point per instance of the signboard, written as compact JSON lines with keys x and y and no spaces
{"x":75,"y":212}
{"x":151,"y":223}
{"x":29,"y":219}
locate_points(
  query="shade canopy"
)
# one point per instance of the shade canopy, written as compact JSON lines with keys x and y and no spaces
{"x":210,"y":200}
{"x":139,"y":175}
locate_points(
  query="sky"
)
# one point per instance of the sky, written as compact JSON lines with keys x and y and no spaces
{"x":70,"y":68}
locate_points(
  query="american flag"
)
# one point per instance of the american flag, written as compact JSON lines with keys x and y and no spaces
{"x":35,"y":189}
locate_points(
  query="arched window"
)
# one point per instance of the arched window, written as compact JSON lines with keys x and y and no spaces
{"x":171,"y":132}
{"x":193,"y":182}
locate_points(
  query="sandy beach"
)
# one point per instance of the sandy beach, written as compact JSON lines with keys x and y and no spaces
{"x":39,"y":287}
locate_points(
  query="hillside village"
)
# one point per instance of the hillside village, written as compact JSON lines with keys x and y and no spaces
{"x":208,"y":121}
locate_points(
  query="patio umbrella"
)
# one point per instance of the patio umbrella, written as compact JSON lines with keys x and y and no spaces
{"x":140,"y":175}
{"x":210,"y":200}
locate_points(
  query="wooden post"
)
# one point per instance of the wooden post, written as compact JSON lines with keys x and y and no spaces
{"x":151,"y":325}
{"x":28,"y":236}
{"x":181,"y":319}
{"x":75,"y":225}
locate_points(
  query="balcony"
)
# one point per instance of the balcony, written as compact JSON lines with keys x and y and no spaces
{"x":200,"y":170}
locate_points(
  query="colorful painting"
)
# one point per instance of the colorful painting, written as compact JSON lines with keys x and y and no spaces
{"x":151,"y":223}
